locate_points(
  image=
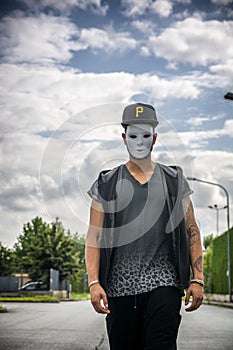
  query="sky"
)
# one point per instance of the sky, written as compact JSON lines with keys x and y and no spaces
{"x":68,"y":68}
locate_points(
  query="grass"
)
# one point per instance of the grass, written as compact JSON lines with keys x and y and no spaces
{"x":80,"y":296}
{"x":2,"y":309}
{"x":46,"y":299}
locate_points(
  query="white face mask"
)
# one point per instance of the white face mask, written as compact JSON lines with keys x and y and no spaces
{"x":139,"y":139}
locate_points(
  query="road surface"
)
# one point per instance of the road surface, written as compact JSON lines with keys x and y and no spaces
{"x":75,"y":326}
{"x":51,"y":326}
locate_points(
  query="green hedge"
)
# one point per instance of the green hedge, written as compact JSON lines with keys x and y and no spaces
{"x":219,"y":280}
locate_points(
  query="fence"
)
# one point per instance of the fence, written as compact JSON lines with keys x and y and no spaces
{"x":11,"y":284}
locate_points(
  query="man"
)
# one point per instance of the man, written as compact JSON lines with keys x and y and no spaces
{"x":141,"y":242}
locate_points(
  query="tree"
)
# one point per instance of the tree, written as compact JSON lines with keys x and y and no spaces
{"x":78,"y":280}
{"x":208,"y":256}
{"x":207,"y":240}
{"x":6,"y":261}
{"x":42,"y":246}
{"x":208,"y":269}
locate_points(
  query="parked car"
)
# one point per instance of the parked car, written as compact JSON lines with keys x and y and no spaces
{"x":34,"y":286}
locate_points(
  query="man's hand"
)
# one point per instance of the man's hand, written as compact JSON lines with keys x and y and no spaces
{"x":196,"y":291}
{"x":99,"y":299}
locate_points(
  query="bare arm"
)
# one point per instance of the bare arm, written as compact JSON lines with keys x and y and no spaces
{"x":196,"y":255}
{"x":98,"y":295}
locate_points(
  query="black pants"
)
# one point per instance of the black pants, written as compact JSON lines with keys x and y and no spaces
{"x":152,"y":325}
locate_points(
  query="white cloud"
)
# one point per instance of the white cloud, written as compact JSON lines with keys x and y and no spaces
{"x":162,"y":7}
{"x":218,"y":171}
{"x":145,"y":26}
{"x":224,"y":69}
{"x":185,"y":2}
{"x":201,"y":139}
{"x":50,"y":40}
{"x":144,"y":51}
{"x":221,"y":2}
{"x":172,"y":65}
{"x":133,"y":8}
{"x":228,"y":128}
{"x":197,"y":121}
{"x":160,"y":89}
{"x":107,"y":40}
{"x":194,"y":41}
{"x":94,"y":6}
{"x":44,"y":39}
{"x":37,"y":99}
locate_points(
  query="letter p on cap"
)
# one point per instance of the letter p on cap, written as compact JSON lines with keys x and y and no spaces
{"x":139,"y":110}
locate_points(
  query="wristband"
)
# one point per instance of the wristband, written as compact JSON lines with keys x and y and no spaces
{"x":197,"y":281}
{"x":93,"y":282}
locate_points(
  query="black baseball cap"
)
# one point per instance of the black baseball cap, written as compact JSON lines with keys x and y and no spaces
{"x":139,"y":113}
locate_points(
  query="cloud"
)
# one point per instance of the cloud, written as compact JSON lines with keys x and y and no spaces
{"x":224,"y":69}
{"x":228,"y":128}
{"x":221,"y":2}
{"x":39,"y":99}
{"x":162,"y":7}
{"x":145,"y":26}
{"x":194,"y":41}
{"x":94,"y":6}
{"x":197,"y":121}
{"x":185,"y":2}
{"x":220,"y":172}
{"x":108,"y":40}
{"x":201,"y":139}
{"x":133,"y":8}
{"x":19,"y":193}
{"x":43,"y":39}
{"x":42,"y":97}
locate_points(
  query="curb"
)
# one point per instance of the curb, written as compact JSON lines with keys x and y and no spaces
{"x":3,"y":310}
{"x":218,"y":303}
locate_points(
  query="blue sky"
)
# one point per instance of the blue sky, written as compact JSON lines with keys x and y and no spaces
{"x":67,"y":70}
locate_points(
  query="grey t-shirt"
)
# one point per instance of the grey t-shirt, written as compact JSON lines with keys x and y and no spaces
{"x":148,"y":261}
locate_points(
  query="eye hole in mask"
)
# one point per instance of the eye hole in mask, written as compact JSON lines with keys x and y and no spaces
{"x":135,"y":136}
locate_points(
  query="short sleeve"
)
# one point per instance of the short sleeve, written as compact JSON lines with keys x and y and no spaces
{"x":94,"y":192}
{"x":186,"y":190}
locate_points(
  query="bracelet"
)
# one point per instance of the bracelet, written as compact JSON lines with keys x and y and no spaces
{"x":93,"y":282}
{"x":197,"y":281}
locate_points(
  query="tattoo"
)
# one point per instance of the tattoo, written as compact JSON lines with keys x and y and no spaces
{"x":191,"y":226}
{"x":198,"y":264}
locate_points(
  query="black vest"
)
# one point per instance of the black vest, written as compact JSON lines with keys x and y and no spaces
{"x":176,"y":225}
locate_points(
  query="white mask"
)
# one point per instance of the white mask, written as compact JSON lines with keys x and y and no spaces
{"x":139,"y":139}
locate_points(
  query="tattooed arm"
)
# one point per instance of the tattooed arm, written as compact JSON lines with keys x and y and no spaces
{"x":195,"y":249}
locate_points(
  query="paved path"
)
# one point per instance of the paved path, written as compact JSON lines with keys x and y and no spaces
{"x":75,"y":326}
{"x":209,"y":328}
{"x":45,"y":326}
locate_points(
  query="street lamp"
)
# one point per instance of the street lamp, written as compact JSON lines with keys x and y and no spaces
{"x":229,"y":96}
{"x":228,"y":230}
{"x":217,"y":214}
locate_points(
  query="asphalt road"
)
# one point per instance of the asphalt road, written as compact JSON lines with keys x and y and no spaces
{"x":75,"y":326}
{"x":48,"y":326}
{"x":208,"y":328}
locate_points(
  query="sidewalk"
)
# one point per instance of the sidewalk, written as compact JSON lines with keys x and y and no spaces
{"x":218,"y":300}
{"x":218,"y":303}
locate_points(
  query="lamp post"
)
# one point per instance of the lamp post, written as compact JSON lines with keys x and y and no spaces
{"x":217,"y":214}
{"x":228,"y":96}
{"x":228,"y":230}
